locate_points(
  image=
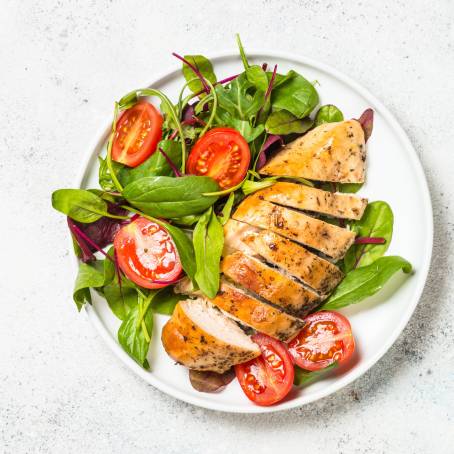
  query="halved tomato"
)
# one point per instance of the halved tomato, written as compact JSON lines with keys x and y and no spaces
{"x":138,"y":131}
{"x":326,"y":338}
{"x":147,"y":254}
{"x":269,"y":378}
{"x":222,"y":154}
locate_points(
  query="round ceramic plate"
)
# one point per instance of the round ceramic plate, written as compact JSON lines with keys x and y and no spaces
{"x":394,"y":174}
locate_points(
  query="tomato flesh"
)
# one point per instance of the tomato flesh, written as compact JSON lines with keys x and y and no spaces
{"x":326,"y":338}
{"x":222,"y":154}
{"x":269,"y":378}
{"x":138,"y":131}
{"x":147,"y":254}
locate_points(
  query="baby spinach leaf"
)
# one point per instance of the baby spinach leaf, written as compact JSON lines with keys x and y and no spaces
{"x":80,"y":205}
{"x":360,"y":283}
{"x":186,"y":220}
{"x":165,"y":301}
{"x":167,"y":197}
{"x":208,"y":240}
{"x":135,"y":332}
{"x":240,"y":98}
{"x":204,"y":66}
{"x":377,"y":221}
{"x":282,"y":122}
{"x":328,"y":114}
{"x":295,"y":94}
{"x":91,"y":275}
{"x":155,"y":165}
{"x":349,"y":187}
{"x":250,"y":133}
{"x":257,"y":77}
{"x":104,"y":177}
{"x":227,"y":209}
{"x":306,"y":377}
{"x":121,"y":299}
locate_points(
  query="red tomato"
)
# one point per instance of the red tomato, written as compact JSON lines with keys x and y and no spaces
{"x":146,"y":253}
{"x":222,"y":154}
{"x":327,"y":337}
{"x":138,"y":131}
{"x":269,"y":378}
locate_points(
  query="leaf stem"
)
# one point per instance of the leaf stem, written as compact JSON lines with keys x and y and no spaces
{"x":195,"y":71}
{"x":113,"y":175}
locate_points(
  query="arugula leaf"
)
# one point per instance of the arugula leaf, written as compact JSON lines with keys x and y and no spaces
{"x":241,"y":98}
{"x":208,"y":240}
{"x":165,"y":301}
{"x":377,"y":221}
{"x":252,"y":186}
{"x":104,"y":177}
{"x":295,"y":94}
{"x":227,"y":209}
{"x":81,"y":205}
{"x":93,"y":275}
{"x":155,"y":165}
{"x":168,"y":197}
{"x":204,"y":66}
{"x":306,"y":377}
{"x":135,"y":332}
{"x":282,"y":122}
{"x":242,"y":53}
{"x":328,"y":114}
{"x":360,"y":283}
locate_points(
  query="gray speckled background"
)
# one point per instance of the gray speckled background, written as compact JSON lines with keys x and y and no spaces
{"x":62,"y":65}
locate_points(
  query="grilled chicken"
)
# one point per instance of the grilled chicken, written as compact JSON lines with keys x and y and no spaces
{"x":234,"y":234}
{"x":318,"y":273}
{"x":269,"y":284}
{"x":256,"y":314}
{"x":200,"y":337}
{"x":330,"y":239}
{"x":303,"y":197}
{"x":330,"y":152}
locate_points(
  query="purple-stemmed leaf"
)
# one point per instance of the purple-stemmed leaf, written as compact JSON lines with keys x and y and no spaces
{"x":271,"y":141}
{"x":367,"y":123}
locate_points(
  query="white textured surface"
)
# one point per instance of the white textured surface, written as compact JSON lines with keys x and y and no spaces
{"x":63,"y":63}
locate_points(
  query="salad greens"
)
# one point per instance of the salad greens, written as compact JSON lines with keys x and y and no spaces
{"x":268,"y":109}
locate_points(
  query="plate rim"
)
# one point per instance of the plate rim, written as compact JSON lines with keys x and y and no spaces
{"x":423,"y":271}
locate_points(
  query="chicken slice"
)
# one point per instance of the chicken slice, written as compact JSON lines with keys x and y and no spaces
{"x":345,"y":206}
{"x":318,"y":273}
{"x":201,"y":337}
{"x":330,"y":152}
{"x":234,"y":234}
{"x":330,"y":239}
{"x":269,"y":284}
{"x":256,"y":314}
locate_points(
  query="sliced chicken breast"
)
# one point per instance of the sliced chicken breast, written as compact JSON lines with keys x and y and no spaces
{"x":269,"y":284}
{"x":201,"y":337}
{"x":318,"y":273}
{"x":234,"y":233}
{"x":330,"y":239}
{"x":256,"y":314}
{"x":301,"y":197}
{"x":330,"y":152}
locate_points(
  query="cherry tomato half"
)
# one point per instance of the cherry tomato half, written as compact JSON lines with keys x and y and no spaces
{"x":222,"y":154}
{"x":269,"y":378}
{"x":138,"y":131}
{"x":327,"y":337}
{"x":146,"y":253}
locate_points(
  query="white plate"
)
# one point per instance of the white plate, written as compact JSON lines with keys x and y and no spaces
{"x":394,"y":174}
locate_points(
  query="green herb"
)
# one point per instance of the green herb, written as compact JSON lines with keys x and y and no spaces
{"x":227,"y":209}
{"x":250,"y":133}
{"x":252,"y":186}
{"x":169,"y":197}
{"x":81,"y":205}
{"x":242,"y":53}
{"x":121,"y":299}
{"x":306,"y":377}
{"x":282,"y":122}
{"x":155,"y":165}
{"x":208,"y":240}
{"x":328,"y":114}
{"x":349,"y":187}
{"x":165,"y":301}
{"x":104,"y":177}
{"x":377,"y":221}
{"x":204,"y":66}
{"x":135,"y":332}
{"x":186,"y":220}
{"x":295,"y":94}
{"x":360,"y":283}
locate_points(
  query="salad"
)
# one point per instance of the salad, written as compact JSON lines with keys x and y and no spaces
{"x":232,"y":209}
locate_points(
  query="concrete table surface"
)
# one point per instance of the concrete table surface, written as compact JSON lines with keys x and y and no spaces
{"x":63,"y":64}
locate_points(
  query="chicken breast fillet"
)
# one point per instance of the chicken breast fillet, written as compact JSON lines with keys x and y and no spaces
{"x":270,"y":284}
{"x":330,"y":239}
{"x":234,"y":234}
{"x":330,"y":152}
{"x":301,"y":197}
{"x":318,"y":273}
{"x":200,"y":337}
{"x":256,"y":314}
